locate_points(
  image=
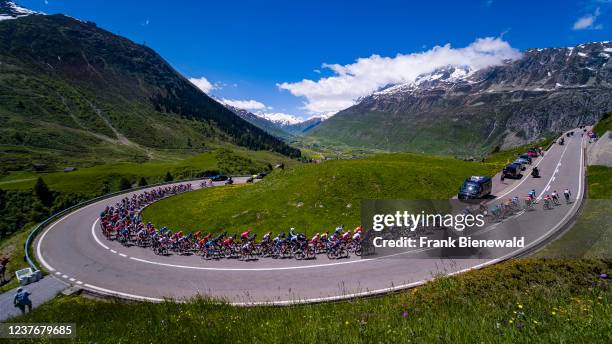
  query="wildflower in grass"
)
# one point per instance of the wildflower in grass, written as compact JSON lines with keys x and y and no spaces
{"x":346,"y":322}
{"x":405,"y":314}
{"x":603,"y":276}
{"x":553,"y":313}
{"x":520,"y":306}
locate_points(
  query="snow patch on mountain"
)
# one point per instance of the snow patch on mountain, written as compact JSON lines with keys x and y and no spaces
{"x":279,"y":118}
{"x":10,"y":10}
{"x":445,"y":75}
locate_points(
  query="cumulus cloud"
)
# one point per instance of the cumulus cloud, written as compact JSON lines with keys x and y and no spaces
{"x":203,"y":84}
{"x":245,"y":104}
{"x":350,"y":82}
{"x":588,"y":21}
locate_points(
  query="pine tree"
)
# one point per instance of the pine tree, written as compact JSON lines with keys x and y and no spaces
{"x":124,"y":184}
{"x":142,"y":181}
{"x":168,"y":177}
{"x":43,"y":193}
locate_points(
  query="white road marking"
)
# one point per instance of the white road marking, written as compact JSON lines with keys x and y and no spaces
{"x":113,"y":251}
{"x":64,"y":276}
{"x":38,"y":249}
{"x":93,"y":231}
{"x":58,"y":273}
{"x":524,"y":179}
{"x":72,"y":279}
{"x":348,"y":296}
{"x":551,"y":178}
{"x":117,"y":293}
{"x":123,"y":254}
{"x":79,"y":282}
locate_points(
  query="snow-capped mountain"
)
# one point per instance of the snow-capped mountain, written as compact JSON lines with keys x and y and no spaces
{"x":281,"y":119}
{"x":455,"y":109}
{"x":10,"y":10}
{"x":278,"y":124}
{"x":446,"y":76}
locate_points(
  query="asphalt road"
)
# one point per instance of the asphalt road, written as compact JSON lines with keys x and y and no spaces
{"x":74,"y":250}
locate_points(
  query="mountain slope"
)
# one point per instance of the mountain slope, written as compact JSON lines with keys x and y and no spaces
{"x":67,"y":85}
{"x":302,"y":128}
{"x":269,"y":126}
{"x":455,"y":110}
{"x":287,"y":130}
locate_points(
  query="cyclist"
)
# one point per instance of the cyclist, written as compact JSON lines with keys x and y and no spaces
{"x":245,"y":235}
{"x":346,"y":235}
{"x":324,"y":236}
{"x":567,"y":195}
{"x":292,"y":234}
{"x":339,"y":229}
{"x":315,"y":239}
{"x":229,"y":241}
{"x":532,"y":194}
{"x":555,"y":197}
{"x":279,"y":239}
{"x":515,"y":201}
{"x":266,"y":237}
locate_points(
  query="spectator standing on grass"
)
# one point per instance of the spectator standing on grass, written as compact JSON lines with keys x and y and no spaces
{"x":22,"y":299}
{"x":3,"y":264}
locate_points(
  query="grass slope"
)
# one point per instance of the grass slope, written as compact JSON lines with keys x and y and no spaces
{"x":591,"y":235}
{"x":105,"y":178}
{"x":518,"y":301}
{"x":314,"y":197}
{"x":502,"y":158}
{"x":70,"y":89}
{"x":605,"y":124}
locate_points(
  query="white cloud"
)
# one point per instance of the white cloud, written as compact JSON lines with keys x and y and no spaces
{"x":588,"y":21}
{"x":245,"y":104}
{"x":203,"y":84}
{"x":366,"y":75}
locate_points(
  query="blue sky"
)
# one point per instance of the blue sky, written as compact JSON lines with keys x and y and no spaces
{"x":262,"y":50}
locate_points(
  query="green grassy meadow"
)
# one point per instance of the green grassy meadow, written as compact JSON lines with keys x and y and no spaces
{"x":502,"y":158}
{"x":99,"y":179}
{"x":523,"y":300}
{"x":591,"y":235}
{"x":605,"y":124}
{"x":314,"y":197}
{"x":535,"y":301}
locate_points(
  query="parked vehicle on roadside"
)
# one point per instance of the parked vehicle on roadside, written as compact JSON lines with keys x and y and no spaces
{"x":533,"y":153}
{"x":512,"y":171}
{"x":520,"y":162}
{"x":475,"y":187}
{"x":526,"y":157}
{"x":219,"y":178}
